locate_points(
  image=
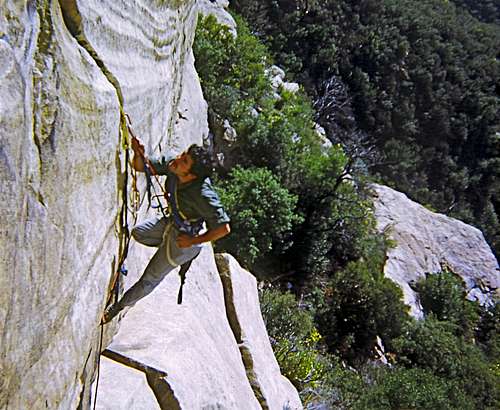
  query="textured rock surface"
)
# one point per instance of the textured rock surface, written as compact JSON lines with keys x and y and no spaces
{"x":242,"y":304}
{"x":123,"y":388}
{"x":61,"y":168}
{"x":192,"y":343}
{"x":427,"y":241}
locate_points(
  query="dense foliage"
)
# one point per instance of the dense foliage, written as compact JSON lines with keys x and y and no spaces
{"x":418,"y":78}
{"x":432,"y":366}
{"x":277,"y":134}
{"x":301,"y":218}
{"x":484,"y":10}
{"x":443,"y":296}
{"x":262,"y":214}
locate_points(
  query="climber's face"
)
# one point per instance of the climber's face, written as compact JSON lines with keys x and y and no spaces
{"x":181,"y":165}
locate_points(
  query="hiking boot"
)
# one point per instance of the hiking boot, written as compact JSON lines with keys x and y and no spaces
{"x":110,"y":312}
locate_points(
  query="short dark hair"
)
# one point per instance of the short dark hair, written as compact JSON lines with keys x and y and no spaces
{"x":202,"y":161}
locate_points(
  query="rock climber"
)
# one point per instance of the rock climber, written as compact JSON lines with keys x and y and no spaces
{"x":178,"y":236}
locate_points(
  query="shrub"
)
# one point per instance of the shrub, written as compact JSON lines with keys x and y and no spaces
{"x":443,"y":295}
{"x":433,"y":345}
{"x":401,"y":388}
{"x":262,"y":214}
{"x":359,"y":305}
{"x":488,"y":332}
{"x":294,"y":339}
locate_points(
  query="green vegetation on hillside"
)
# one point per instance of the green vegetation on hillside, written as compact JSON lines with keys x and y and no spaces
{"x":302,"y":220}
{"x":418,"y":79}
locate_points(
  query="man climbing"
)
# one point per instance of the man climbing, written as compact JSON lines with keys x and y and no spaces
{"x":178,"y":237}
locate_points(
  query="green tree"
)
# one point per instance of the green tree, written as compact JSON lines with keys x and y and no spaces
{"x":360,"y":304}
{"x":423,"y":80}
{"x":262,"y":214}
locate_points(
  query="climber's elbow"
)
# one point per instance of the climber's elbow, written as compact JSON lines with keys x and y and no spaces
{"x":222,"y":230}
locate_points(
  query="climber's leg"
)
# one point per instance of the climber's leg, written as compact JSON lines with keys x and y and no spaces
{"x":157,"y":269}
{"x":150,"y":232}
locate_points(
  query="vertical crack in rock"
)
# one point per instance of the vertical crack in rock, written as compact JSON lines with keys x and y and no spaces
{"x":246,"y":355}
{"x":46,"y":82}
{"x":84,"y":402}
{"x":73,"y":21}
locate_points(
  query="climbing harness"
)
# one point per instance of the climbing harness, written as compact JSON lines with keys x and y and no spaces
{"x":189,"y":226}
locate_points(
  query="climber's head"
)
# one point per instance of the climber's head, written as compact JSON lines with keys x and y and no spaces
{"x":193,"y":163}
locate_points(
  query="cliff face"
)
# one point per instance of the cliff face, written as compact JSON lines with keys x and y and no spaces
{"x":69,"y":70}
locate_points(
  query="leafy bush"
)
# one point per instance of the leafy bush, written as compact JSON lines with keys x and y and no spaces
{"x":262,"y":213}
{"x":294,"y":339}
{"x":359,"y":304}
{"x":433,"y":345}
{"x":231,"y":69}
{"x":443,"y":295}
{"x":488,"y":333}
{"x":401,"y":388}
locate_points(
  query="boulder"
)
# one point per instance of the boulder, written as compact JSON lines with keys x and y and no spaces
{"x":273,"y":390}
{"x":427,"y":242}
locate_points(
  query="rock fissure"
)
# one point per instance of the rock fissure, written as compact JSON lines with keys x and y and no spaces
{"x":234,"y":323}
{"x":135,"y":364}
{"x":73,"y":21}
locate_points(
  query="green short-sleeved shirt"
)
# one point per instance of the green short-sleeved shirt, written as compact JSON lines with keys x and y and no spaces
{"x":196,"y":199}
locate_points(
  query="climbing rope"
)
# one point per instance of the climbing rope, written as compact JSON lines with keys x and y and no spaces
{"x":98,"y":365}
{"x":124,"y":234}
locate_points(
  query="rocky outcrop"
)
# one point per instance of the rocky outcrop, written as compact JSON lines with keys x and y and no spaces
{"x":242,"y":306}
{"x":212,"y":351}
{"x":427,"y":242}
{"x":191,"y":344}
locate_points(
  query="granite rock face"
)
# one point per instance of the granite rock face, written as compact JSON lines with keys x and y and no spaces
{"x":210,"y":352}
{"x":69,"y":71}
{"x":188,"y":351}
{"x":427,"y":242}
{"x":66,"y":68}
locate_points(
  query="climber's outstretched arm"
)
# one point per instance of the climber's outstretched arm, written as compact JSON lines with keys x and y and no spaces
{"x":185,"y":241}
